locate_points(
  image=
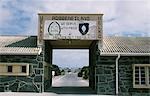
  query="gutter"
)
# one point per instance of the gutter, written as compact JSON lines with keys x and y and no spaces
{"x":117,"y":79}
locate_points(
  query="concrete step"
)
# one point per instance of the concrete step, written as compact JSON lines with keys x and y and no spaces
{"x":71,"y":90}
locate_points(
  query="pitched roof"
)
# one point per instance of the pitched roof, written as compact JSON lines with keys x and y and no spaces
{"x":126,"y":45}
{"x":20,"y":45}
{"x":111,"y":45}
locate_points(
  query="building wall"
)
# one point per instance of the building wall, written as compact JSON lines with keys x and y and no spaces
{"x":19,"y":83}
{"x":18,"y":58}
{"x":126,"y":76}
{"x":92,"y":65}
{"x":105,"y":75}
{"x":47,"y":70}
{"x":104,"y":69}
{"x":105,"y":72}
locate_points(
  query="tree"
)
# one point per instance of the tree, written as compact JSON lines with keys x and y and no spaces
{"x":56,"y":69}
{"x":62,"y":72}
{"x":84,"y":72}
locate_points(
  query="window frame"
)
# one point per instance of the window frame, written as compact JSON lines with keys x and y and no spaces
{"x":147,"y":76}
{"x":16,"y":69}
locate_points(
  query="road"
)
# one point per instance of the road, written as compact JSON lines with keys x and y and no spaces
{"x":70,"y":79}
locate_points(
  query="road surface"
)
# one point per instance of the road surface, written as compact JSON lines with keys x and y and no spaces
{"x":70,"y":84}
{"x":70,"y":79}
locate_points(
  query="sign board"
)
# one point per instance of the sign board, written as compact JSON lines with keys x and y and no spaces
{"x":69,"y":29}
{"x":70,"y":26}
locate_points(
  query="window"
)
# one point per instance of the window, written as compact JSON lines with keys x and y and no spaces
{"x":141,"y":75}
{"x":23,"y":70}
{"x":14,"y":69}
{"x":9,"y":69}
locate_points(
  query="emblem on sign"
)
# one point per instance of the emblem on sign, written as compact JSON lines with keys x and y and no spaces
{"x":83,"y":28}
{"x":54,"y":28}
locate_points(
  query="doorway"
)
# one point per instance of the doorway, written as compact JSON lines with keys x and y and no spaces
{"x":71,"y":66}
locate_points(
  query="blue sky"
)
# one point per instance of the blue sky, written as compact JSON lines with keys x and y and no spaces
{"x":121,"y":17}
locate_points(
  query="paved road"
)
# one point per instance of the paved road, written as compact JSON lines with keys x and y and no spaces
{"x":69,"y":79}
{"x":70,"y":84}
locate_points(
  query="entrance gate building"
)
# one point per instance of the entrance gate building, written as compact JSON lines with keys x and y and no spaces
{"x":69,"y":31}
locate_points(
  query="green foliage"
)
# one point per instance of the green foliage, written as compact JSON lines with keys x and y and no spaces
{"x":56,"y":69}
{"x":62,"y":72}
{"x":84,"y":72}
{"x":80,"y":74}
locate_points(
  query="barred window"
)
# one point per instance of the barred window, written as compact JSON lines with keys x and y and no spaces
{"x":141,"y":75}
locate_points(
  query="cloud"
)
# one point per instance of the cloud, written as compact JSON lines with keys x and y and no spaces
{"x":120,"y":17}
{"x":70,"y":58}
{"x":21,"y":18}
{"x":132,"y":18}
{"x":5,"y":16}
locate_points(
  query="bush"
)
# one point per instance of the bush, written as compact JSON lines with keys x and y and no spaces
{"x":84,"y":72}
{"x":62,"y":72}
{"x":56,"y":69}
{"x":85,"y":76}
{"x":80,"y":74}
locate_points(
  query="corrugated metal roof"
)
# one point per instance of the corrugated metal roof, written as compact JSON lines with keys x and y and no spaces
{"x":18,"y":51}
{"x":111,"y":45}
{"x":7,"y":40}
{"x":20,"y":45}
{"x":126,"y":45}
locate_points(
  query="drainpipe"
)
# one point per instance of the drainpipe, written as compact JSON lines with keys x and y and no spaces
{"x":117,"y":79}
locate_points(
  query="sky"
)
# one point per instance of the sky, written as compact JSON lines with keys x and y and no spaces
{"x":71,"y":58}
{"x":121,"y":17}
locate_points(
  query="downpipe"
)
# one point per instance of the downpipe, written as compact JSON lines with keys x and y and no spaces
{"x":117,"y":79}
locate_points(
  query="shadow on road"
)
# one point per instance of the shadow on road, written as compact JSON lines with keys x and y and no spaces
{"x":71,"y":90}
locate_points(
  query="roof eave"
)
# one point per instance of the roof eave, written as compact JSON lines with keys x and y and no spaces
{"x":18,"y":53}
{"x":125,"y":54}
